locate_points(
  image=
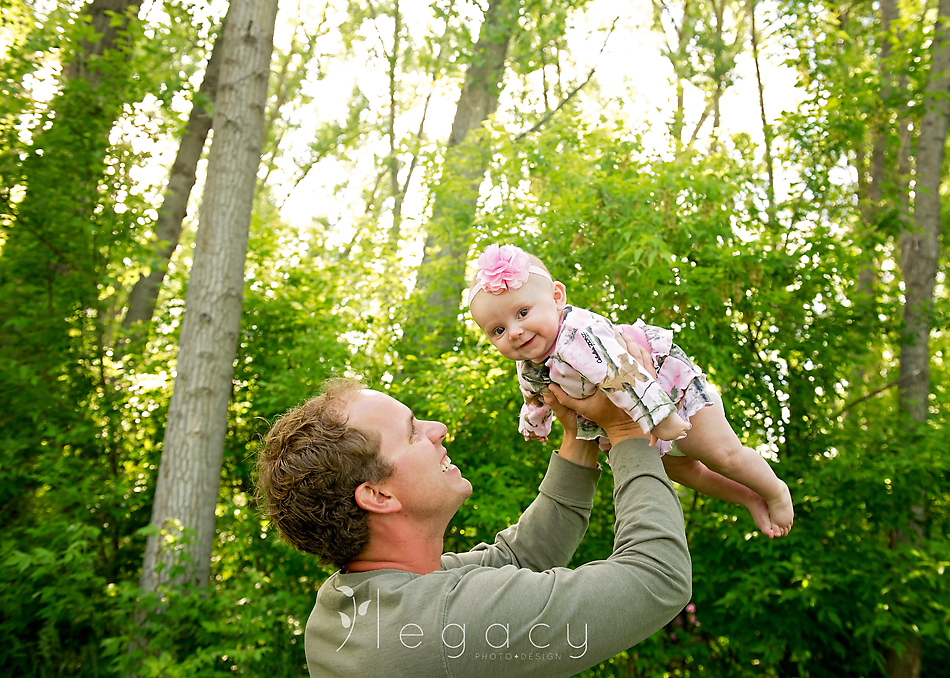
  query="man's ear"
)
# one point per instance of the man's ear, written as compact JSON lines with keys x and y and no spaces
{"x":373,"y":499}
{"x":560,"y":295}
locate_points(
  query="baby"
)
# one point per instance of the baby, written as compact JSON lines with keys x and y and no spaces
{"x":525,"y":315}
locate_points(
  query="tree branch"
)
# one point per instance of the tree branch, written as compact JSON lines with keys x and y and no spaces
{"x":570,"y":94}
{"x":875,"y":392}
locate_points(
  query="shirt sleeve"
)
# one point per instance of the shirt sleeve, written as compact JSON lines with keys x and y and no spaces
{"x":549,"y":530}
{"x":559,"y":622}
{"x":535,"y":418}
{"x":594,"y":353}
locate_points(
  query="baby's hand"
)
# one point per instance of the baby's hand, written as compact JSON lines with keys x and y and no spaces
{"x":671,"y":428}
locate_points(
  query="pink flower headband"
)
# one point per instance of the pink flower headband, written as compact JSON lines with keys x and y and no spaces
{"x":503,"y":268}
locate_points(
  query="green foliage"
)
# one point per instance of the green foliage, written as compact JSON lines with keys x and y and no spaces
{"x":690,"y":251}
{"x":770,"y":308}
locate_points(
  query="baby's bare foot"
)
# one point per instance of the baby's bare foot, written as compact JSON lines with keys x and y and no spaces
{"x":671,"y":428}
{"x":781,"y":512}
{"x":760,"y":514}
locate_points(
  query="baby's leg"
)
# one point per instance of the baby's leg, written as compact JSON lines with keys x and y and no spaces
{"x":713,"y":442}
{"x":696,"y":475}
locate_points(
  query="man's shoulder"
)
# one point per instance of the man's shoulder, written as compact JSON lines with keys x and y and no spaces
{"x":341,"y":589}
{"x":387,"y":622}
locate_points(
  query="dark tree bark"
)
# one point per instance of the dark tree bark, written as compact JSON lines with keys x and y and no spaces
{"x":100,"y":14}
{"x":920,"y":243}
{"x":181,"y":181}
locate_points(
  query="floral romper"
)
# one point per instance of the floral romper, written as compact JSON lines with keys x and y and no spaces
{"x":587,"y":355}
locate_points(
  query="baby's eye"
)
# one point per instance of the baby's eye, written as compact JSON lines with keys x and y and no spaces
{"x":498,"y":331}
{"x":522,"y":313}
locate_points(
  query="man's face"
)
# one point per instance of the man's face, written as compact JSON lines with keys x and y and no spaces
{"x":523,"y":323}
{"x":424,"y":480}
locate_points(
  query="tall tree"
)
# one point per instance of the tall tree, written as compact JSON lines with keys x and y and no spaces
{"x":920,"y":242}
{"x":895,"y":136}
{"x":187,"y":491}
{"x":181,"y":180}
{"x":767,"y":133}
{"x":399,"y":177}
{"x":432,"y":324}
{"x":60,"y":237}
{"x":703,"y":40}
{"x":919,"y":261}
{"x":52,"y":258}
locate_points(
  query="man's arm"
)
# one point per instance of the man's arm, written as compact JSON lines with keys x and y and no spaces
{"x":560,"y":622}
{"x":549,"y":530}
{"x":553,"y":525}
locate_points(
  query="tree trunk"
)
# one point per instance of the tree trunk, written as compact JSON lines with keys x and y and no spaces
{"x":920,"y":245}
{"x":52,"y":257}
{"x":181,"y":181}
{"x":920,"y":256}
{"x":101,"y":15}
{"x":188,"y":480}
{"x":433,"y":314}
{"x":872,"y":176}
{"x":766,"y":127}
{"x":907,"y":664}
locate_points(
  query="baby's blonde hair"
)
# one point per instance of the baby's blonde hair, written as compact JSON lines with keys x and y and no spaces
{"x":537,"y":262}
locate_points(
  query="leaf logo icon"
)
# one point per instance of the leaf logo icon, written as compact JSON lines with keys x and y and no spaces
{"x":345,"y":619}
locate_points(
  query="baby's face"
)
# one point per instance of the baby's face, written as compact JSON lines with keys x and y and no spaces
{"x":523,"y":323}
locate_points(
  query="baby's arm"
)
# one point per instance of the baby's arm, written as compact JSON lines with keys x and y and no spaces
{"x":673,"y":427}
{"x":534,"y":421}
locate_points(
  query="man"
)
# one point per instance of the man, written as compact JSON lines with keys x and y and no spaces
{"x":354,"y":478}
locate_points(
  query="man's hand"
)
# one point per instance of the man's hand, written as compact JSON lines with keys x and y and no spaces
{"x":582,"y":452}
{"x":566,"y":417}
{"x":616,"y":423}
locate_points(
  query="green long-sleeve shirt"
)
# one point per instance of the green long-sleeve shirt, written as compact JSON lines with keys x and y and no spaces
{"x":511,"y":608}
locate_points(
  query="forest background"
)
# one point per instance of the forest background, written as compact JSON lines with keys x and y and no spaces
{"x":209,"y":208}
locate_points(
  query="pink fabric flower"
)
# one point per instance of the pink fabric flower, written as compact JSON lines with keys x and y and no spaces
{"x":502,"y":268}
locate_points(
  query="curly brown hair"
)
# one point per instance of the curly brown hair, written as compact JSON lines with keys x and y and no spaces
{"x":308,"y":470}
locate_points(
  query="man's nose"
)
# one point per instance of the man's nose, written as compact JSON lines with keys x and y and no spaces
{"x":437,"y":430}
